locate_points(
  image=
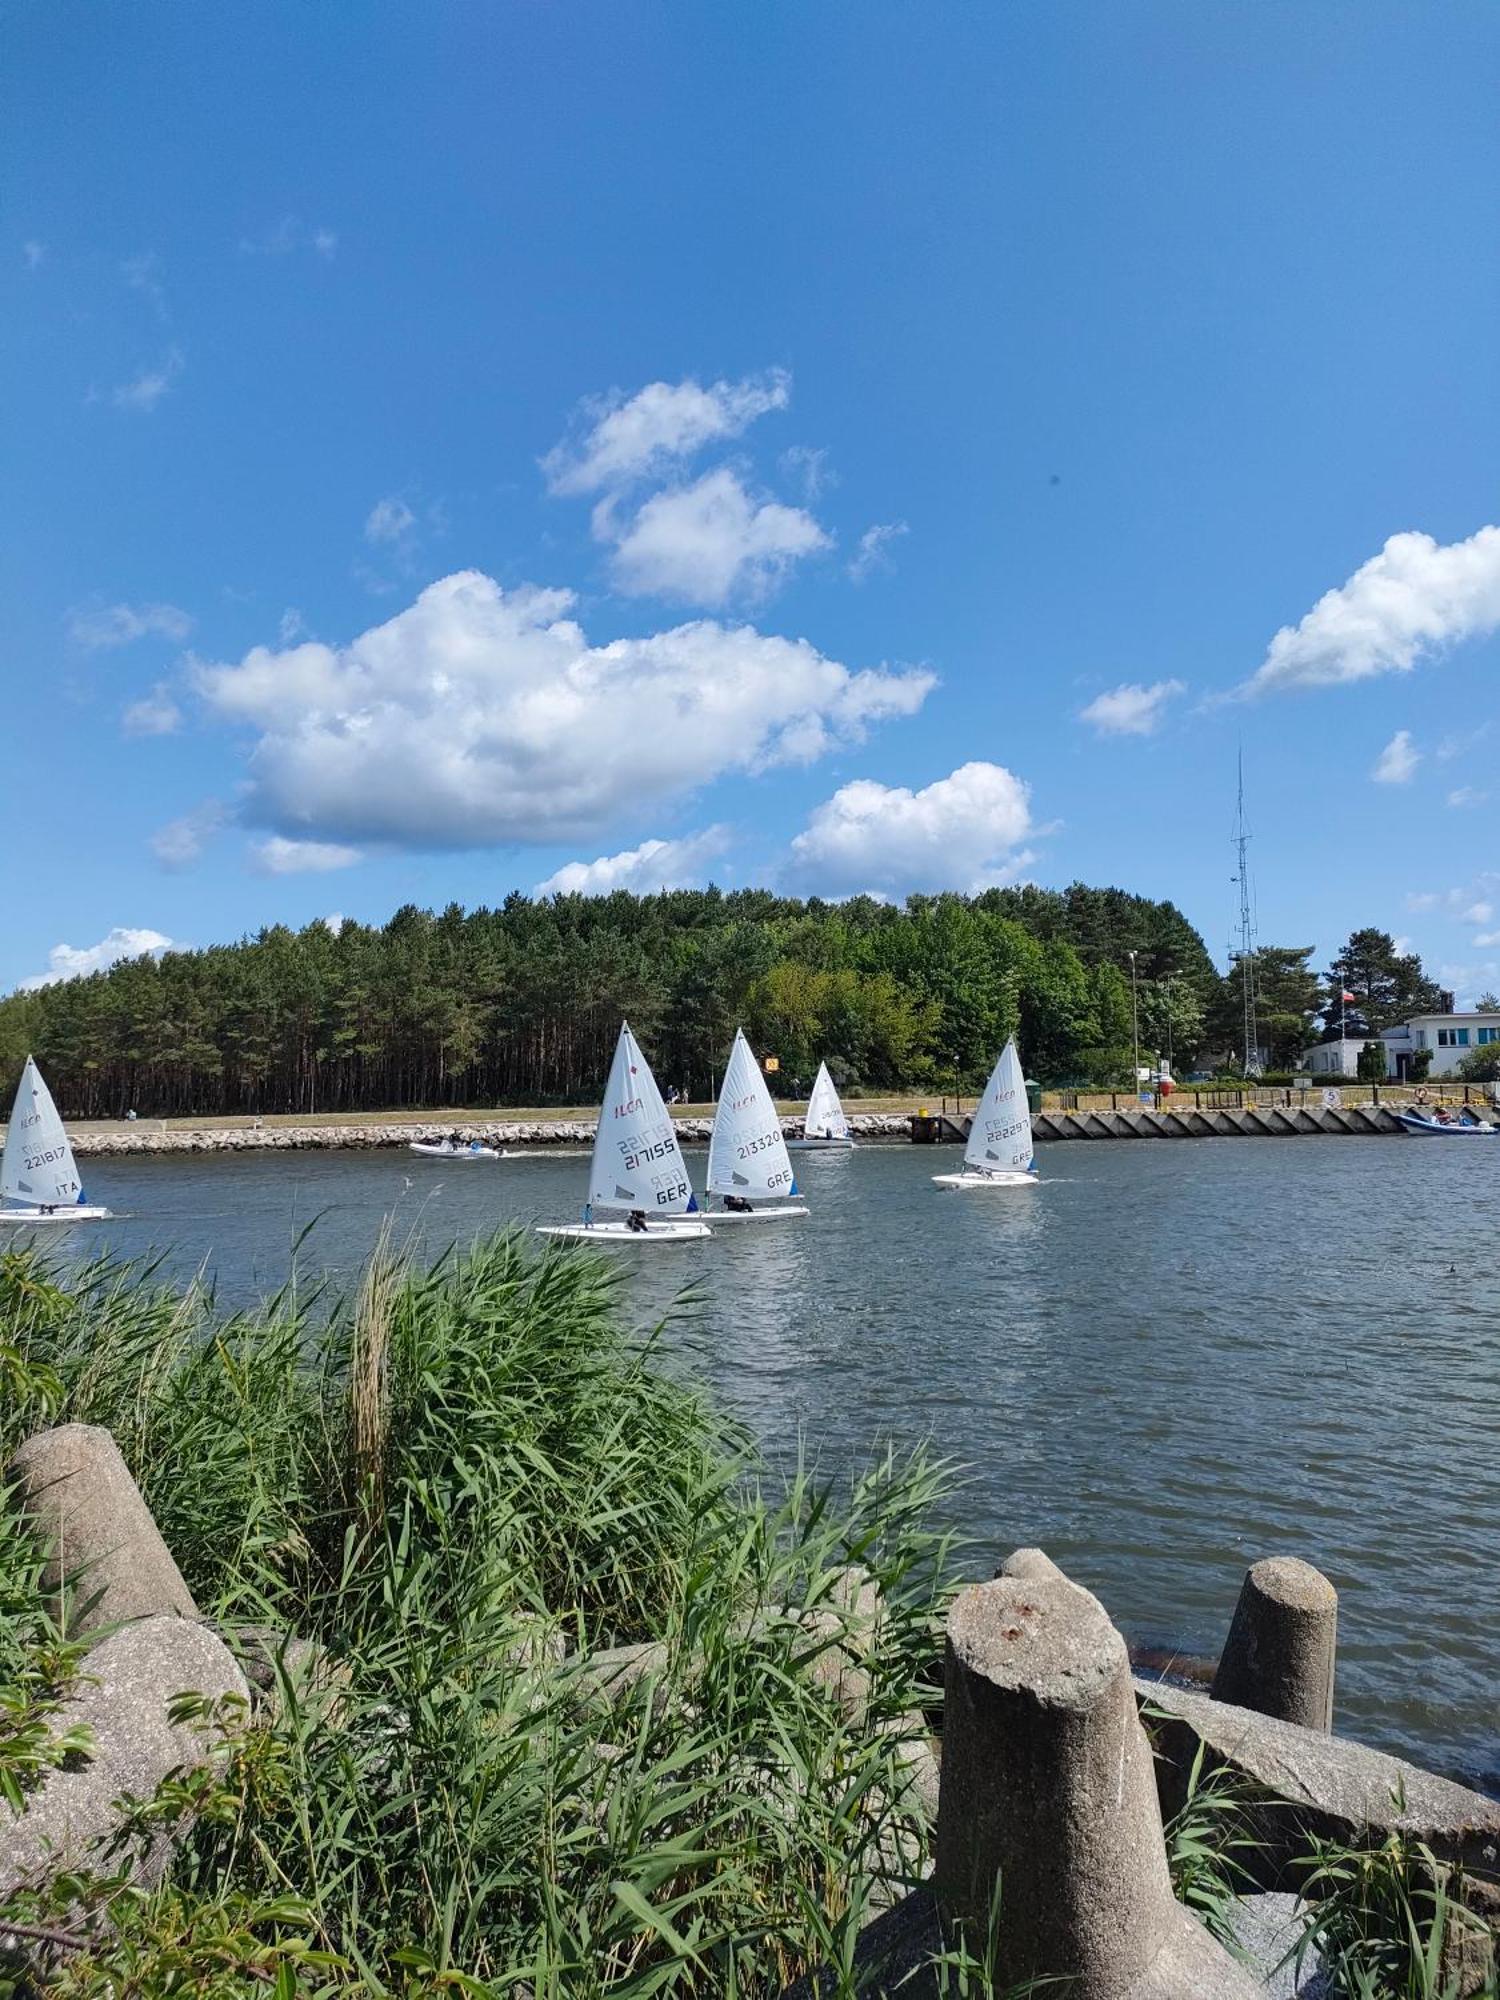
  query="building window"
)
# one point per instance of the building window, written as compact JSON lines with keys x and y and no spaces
{"x":1454,"y":1038}
{"x":1461,"y":1036}
{"x":1486,"y":1035}
{"x":1421,"y":1038}
{"x":1445,"y":1037}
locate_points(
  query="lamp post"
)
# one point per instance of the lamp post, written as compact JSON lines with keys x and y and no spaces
{"x":1135,"y":1029}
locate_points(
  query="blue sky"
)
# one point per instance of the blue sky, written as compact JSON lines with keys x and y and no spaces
{"x":856,"y":446}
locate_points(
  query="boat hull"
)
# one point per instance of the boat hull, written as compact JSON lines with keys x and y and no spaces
{"x":685,"y":1230}
{"x":790,"y":1211}
{"x":820,"y":1145}
{"x":452,"y":1153}
{"x":1429,"y":1128}
{"x":1005,"y":1180}
{"x":83,"y":1212}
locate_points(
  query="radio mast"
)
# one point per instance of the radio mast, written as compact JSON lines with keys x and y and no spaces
{"x":1244,"y":957}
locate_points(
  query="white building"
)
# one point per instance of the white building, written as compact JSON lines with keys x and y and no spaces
{"x":1450,"y":1037}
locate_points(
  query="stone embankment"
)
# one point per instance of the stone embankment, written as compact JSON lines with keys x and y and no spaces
{"x":1048,"y":1783}
{"x":510,"y":1135}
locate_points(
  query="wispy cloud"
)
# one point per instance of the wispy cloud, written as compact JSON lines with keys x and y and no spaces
{"x":1131,"y":709}
{"x":96,"y":627}
{"x":180,"y":842}
{"x":289,"y":235}
{"x":1414,"y":598}
{"x":155,"y":714}
{"x":34,"y":253}
{"x":145,"y":391}
{"x":279,"y":856}
{"x":390,"y":522}
{"x":143,"y":274}
{"x":808,"y":465}
{"x":1398,"y":761}
{"x":1463,"y":796}
{"x":874,"y":549}
{"x":67,"y":961}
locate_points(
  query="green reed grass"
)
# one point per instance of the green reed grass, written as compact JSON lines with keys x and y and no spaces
{"x":428,"y":1478}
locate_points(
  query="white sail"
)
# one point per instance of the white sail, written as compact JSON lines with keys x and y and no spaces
{"x":747,"y":1155}
{"x":38,"y":1167}
{"x":825,"y":1115}
{"x":636,"y":1163}
{"x":1000,"y":1136}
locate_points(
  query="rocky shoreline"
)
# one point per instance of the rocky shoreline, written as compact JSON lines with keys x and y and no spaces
{"x":505,"y":1133}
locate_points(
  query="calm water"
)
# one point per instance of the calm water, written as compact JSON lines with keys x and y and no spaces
{"x":1164,"y":1362}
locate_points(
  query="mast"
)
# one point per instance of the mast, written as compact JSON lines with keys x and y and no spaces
{"x":1244,"y":957}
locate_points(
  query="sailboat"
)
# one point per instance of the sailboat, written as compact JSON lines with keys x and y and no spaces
{"x":825,"y":1123}
{"x":38,"y":1172}
{"x":639,"y":1191}
{"x":999,"y":1152}
{"x":747,"y":1158}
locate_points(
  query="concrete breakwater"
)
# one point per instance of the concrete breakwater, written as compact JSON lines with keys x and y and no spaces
{"x":925,"y":1128}
{"x":1046,"y":1773}
{"x":145,"y":1137}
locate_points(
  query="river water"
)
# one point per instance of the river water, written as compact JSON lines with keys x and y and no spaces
{"x":1160,"y":1364}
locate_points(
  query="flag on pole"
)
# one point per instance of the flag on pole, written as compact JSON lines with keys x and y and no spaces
{"x":1348,"y":998}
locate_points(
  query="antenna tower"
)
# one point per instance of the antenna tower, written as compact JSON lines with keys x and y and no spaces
{"x":1244,"y":957}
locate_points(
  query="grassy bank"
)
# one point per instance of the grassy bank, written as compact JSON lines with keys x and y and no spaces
{"x":438,"y":1480}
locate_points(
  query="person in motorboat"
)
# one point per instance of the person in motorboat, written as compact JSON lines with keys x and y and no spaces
{"x":636,"y":1221}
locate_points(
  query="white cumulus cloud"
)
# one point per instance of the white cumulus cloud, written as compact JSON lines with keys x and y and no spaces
{"x":279,"y":856}
{"x":1131,"y":709}
{"x":67,"y":961}
{"x":155,"y":714}
{"x":118,"y":624}
{"x":710,"y":542}
{"x":1397,"y":761}
{"x":1415,"y":597}
{"x":480,"y":716}
{"x":965,"y":831}
{"x":655,"y":864}
{"x":617,"y":439}
{"x":1466,"y":795}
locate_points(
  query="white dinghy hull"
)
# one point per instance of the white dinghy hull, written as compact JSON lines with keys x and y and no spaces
{"x":79,"y":1212}
{"x":967,"y":1180}
{"x":455,"y":1152}
{"x":820,"y":1145}
{"x":786,"y":1214}
{"x":673,"y":1230}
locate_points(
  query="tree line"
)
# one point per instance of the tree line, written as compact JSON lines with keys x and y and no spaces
{"x":521,"y":1005}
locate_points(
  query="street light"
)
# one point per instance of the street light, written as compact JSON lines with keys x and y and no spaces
{"x":1135,"y":1028}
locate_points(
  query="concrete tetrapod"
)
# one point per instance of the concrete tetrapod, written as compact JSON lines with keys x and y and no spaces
{"x":1048,"y":1801}
{"x":127,"y":1685}
{"x":106,"y":1560}
{"x":1279,"y":1656}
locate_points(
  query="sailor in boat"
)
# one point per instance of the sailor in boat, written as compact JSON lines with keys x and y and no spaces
{"x":736,"y":1204}
{"x":636,"y":1221}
